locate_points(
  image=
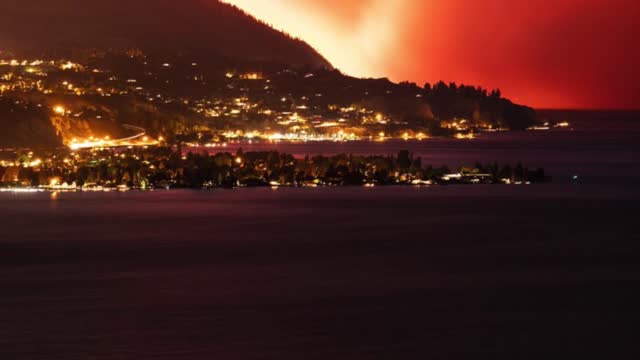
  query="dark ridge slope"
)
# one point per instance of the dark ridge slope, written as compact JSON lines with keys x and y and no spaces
{"x":197,"y":27}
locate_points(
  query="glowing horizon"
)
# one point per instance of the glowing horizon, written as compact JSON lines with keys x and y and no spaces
{"x":541,"y":54}
{"x":366,"y":38}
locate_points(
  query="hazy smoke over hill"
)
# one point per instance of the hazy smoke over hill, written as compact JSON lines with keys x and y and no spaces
{"x":539,"y":52}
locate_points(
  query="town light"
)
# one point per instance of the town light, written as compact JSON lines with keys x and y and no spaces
{"x":60,"y":110}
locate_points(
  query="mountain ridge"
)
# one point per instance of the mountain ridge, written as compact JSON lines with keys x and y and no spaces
{"x":202,"y":28}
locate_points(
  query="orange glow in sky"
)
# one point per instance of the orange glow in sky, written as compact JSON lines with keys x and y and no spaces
{"x":353,"y":38}
{"x":548,"y":54}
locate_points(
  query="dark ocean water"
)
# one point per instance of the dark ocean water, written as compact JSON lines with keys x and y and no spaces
{"x":451,"y":272}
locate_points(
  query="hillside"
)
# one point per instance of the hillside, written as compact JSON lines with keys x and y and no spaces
{"x":24,"y":124}
{"x":184,"y":100}
{"x":200,"y":28}
{"x":202,"y":71}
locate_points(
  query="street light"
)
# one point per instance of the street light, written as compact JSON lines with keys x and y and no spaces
{"x":60,"y":110}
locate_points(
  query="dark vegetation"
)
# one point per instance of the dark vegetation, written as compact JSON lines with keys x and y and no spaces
{"x":25,"y":124}
{"x":163,"y":168}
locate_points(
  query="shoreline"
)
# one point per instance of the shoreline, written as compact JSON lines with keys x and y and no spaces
{"x":24,"y":190}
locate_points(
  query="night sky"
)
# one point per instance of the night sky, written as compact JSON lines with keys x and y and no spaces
{"x":548,"y":54}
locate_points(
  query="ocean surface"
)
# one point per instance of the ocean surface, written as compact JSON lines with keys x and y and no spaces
{"x":442,"y":272}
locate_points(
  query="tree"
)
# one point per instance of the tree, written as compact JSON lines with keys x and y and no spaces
{"x":404,"y":160}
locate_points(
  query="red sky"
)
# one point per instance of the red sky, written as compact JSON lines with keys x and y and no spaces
{"x":544,"y":53}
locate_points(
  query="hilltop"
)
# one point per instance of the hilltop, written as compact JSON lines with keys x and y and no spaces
{"x":202,"y":71}
{"x":202,"y":29}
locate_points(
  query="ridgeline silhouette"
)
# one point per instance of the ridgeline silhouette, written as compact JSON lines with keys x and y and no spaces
{"x":200,"y":28}
{"x":194,"y":68}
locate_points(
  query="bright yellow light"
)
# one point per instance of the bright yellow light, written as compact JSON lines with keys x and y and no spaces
{"x":60,"y":110}
{"x":68,"y":66}
{"x":54,"y":182}
{"x":465,"y":136}
{"x":239,"y":160}
{"x":251,"y":76}
{"x":276,"y":136}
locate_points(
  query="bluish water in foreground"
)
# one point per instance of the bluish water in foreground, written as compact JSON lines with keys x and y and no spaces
{"x":445,"y":272}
